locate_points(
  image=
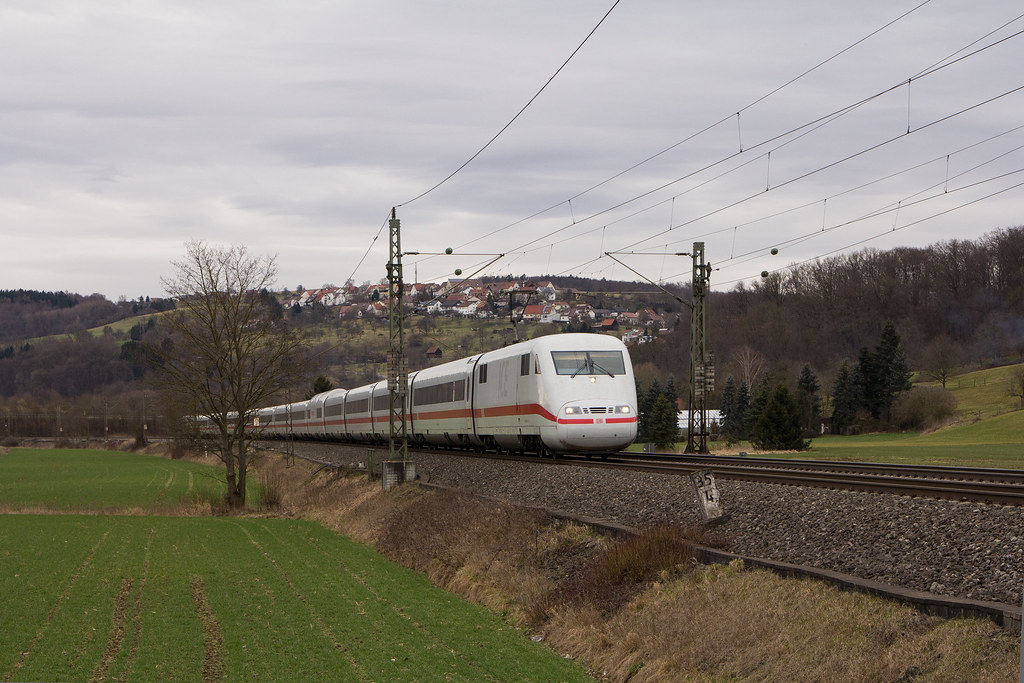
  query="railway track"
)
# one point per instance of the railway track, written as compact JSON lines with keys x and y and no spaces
{"x":973,"y":484}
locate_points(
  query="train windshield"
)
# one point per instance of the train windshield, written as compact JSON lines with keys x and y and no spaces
{"x":573,"y":363}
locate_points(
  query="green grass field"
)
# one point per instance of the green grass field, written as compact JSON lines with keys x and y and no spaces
{"x":983,"y":393}
{"x":75,"y":479}
{"x":137,"y":597}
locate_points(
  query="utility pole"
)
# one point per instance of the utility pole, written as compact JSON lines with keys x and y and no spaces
{"x":702,"y":369}
{"x":398,"y":364}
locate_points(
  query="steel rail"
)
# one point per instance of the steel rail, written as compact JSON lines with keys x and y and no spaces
{"x":1010,"y":476}
{"x":979,"y":485}
{"x":1004,"y":487}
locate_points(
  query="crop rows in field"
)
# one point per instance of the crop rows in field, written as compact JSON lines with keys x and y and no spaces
{"x":136,"y":597}
{"x":76,"y":479}
{"x":100,"y":597}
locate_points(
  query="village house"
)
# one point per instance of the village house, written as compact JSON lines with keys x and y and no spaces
{"x":534,"y":312}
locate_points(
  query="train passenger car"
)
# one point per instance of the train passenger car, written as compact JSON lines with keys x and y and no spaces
{"x":315,"y":417}
{"x":559,"y":393}
{"x":301,"y":419}
{"x":380,"y":411}
{"x":440,"y":413}
{"x":358,"y":425}
{"x":334,"y":414}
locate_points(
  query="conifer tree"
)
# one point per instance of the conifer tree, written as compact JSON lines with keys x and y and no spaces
{"x":742,"y":407}
{"x":664,"y":422}
{"x":670,"y":390}
{"x":778,"y":424}
{"x":845,"y":400}
{"x":756,"y":407}
{"x":645,"y":406}
{"x":727,"y":408}
{"x":892,"y":369}
{"x":808,"y":402}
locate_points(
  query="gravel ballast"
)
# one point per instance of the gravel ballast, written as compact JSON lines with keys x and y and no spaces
{"x":966,"y":550}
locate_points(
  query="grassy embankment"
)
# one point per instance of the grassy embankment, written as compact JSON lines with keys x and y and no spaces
{"x":143,"y":597}
{"x":640,"y":609}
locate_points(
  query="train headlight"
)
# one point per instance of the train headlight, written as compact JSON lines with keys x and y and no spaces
{"x":573,"y":410}
{"x":623,"y":410}
{"x":593,"y":379}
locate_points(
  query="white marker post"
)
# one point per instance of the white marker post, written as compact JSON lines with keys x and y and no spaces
{"x":707,"y":494}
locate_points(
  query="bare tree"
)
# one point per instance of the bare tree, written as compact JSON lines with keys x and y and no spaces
{"x":751,"y":364}
{"x":940,"y":358}
{"x":227,"y":354}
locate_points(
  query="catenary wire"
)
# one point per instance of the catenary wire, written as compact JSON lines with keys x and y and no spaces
{"x":891,"y":230}
{"x":702,"y":131}
{"x":518,"y":114}
{"x":762,"y":192}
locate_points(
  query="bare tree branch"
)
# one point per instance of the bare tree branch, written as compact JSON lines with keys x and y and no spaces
{"x":226,"y":355}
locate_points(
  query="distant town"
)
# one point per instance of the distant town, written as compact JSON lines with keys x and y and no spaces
{"x":540,"y":302}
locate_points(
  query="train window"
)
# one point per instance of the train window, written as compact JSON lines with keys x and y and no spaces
{"x":524,"y":364}
{"x":482,"y":379}
{"x":536,"y":365}
{"x":440,"y":393}
{"x":588,"y":363}
{"x":359,"y":406}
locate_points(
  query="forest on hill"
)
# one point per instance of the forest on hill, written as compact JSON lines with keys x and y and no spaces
{"x":26,"y":314}
{"x":957,"y":304}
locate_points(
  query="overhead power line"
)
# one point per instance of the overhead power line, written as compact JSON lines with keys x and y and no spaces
{"x":792,"y":135}
{"x":518,"y":114}
{"x":704,"y":130}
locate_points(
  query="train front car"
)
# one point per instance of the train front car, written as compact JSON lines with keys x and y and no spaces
{"x":586,"y":382}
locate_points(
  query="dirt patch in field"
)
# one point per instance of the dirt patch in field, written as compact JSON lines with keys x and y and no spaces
{"x":118,"y":631}
{"x":213,"y":639}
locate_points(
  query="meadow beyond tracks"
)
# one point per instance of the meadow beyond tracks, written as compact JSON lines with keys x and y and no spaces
{"x":142,"y":597}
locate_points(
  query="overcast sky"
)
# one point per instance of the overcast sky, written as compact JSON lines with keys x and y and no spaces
{"x":128,"y":128}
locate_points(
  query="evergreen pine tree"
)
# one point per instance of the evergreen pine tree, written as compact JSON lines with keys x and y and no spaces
{"x":756,"y":407}
{"x":867,"y":382}
{"x":641,"y":412}
{"x":845,"y":400}
{"x":670,"y":391}
{"x":778,"y":424}
{"x":664,"y":422}
{"x":647,"y":400}
{"x":727,"y":408}
{"x":893,"y":373}
{"x":742,"y":407}
{"x":320,"y":385}
{"x":808,"y":403}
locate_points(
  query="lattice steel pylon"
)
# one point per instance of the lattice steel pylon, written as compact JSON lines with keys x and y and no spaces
{"x":398,"y":363}
{"x":702,"y":369}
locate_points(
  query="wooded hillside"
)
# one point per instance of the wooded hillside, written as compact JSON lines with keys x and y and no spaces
{"x":955,"y":304}
{"x":959,"y":302}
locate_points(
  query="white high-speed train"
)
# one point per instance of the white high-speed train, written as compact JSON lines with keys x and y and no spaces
{"x":563,"y":393}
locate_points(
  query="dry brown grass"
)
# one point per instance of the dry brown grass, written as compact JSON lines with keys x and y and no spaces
{"x":664,"y":618}
{"x":725,"y":623}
